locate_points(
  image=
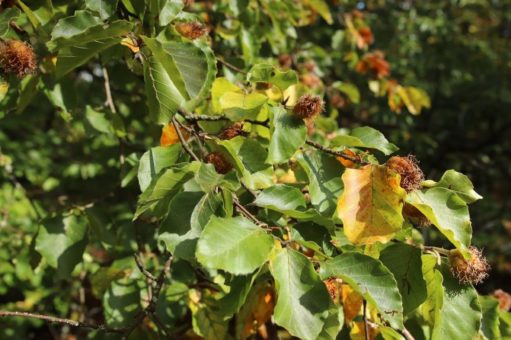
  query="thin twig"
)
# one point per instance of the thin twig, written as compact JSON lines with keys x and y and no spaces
{"x":247,"y":213}
{"x":142,"y":269}
{"x":335,"y":152}
{"x":366,"y":325}
{"x":216,"y":118}
{"x":407,"y":334}
{"x":231,"y":66}
{"x":149,"y":310}
{"x":108,"y":91}
{"x":185,"y":145}
{"x":69,"y":322}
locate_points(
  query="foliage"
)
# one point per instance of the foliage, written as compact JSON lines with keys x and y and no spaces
{"x":178,"y":169}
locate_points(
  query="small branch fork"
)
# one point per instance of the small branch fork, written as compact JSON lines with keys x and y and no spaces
{"x":150,"y":309}
{"x":241,"y":209}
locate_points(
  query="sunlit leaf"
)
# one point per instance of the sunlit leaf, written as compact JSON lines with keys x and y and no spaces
{"x":371,"y":204}
{"x":246,"y":249}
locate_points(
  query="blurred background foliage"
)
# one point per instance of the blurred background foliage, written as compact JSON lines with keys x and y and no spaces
{"x":433,"y":76}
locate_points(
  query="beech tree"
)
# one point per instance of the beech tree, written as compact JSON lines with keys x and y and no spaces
{"x":177,"y":169}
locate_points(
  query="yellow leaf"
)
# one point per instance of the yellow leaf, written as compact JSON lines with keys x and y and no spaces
{"x":414,"y":98}
{"x":351,"y":302}
{"x":371,"y":204}
{"x":128,"y":42}
{"x":358,"y":331}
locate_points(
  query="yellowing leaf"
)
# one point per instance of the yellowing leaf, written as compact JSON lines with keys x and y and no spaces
{"x":414,"y":98}
{"x":371,"y":204}
{"x":351,"y":302}
{"x":358,"y":331}
{"x":128,"y":42}
{"x":258,"y":309}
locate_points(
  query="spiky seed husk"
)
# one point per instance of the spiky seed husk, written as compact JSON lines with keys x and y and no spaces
{"x":232,"y":131}
{"x":471,"y":271}
{"x":17,"y":57}
{"x":308,"y":106}
{"x":409,"y":170}
{"x":191,"y":30}
{"x":222,"y":166}
{"x":333,"y":285}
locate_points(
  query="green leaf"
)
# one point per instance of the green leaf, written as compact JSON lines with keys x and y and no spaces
{"x":105,"y":8}
{"x":281,"y":197}
{"x":451,"y":309}
{"x":169,"y":11}
{"x":366,"y":137}
{"x":371,"y":205}
{"x":121,"y":302}
{"x":41,"y":14}
{"x":505,"y":324}
{"x":431,"y":308}
{"x":165,"y":185}
{"x":285,"y":199}
{"x":325,"y":184}
{"x":405,"y":263}
{"x":71,"y":57}
{"x":155,"y":160}
{"x":460,"y":185}
{"x":239,"y":288}
{"x":490,"y":322}
{"x":6,"y":16}
{"x":288,"y":134}
{"x":176,"y":75}
{"x":83,"y":28}
{"x":248,"y":158}
{"x":98,"y":120}
{"x":61,"y":242}
{"x":188,"y":214}
{"x":303,"y":302}
{"x":239,"y":106}
{"x":350,"y":90}
{"x":246,"y":249}
{"x":102,"y":279}
{"x":370,"y":278}
{"x":269,"y":74}
{"x":220,"y":87}
{"x":460,"y":317}
{"x":447,"y":212}
{"x":207,"y":178}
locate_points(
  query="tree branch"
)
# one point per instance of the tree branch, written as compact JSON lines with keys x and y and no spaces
{"x":149,"y":310}
{"x":185,"y":145}
{"x":54,"y":319}
{"x":231,"y":66}
{"x":142,"y":269}
{"x":194,"y":118}
{"x":335,"y":152}
{"x":108,"y":91}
